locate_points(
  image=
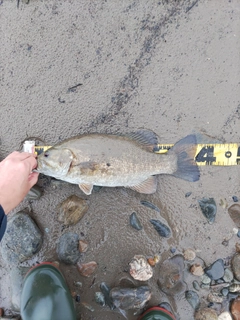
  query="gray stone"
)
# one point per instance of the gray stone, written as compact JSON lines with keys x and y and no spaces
{"x":68,"y":248}
{"x":22,"y":239}
{"x":228,"y":275}
{"x":236,"y":266}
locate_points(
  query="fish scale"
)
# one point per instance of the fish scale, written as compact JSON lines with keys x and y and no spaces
{"x":118,"y":161}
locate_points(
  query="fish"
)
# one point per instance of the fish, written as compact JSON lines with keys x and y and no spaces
{"x":126,"y":160}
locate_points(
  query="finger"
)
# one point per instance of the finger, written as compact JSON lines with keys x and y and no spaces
{"x":32,"y":163}
{"x":33,"y":178}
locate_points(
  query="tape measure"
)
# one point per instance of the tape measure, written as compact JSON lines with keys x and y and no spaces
{"x":222,"y":154}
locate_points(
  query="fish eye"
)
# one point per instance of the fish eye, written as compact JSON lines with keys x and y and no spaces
{"x":46,"y":154}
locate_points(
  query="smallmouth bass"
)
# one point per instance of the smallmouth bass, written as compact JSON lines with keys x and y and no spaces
{"x":118,"y":161}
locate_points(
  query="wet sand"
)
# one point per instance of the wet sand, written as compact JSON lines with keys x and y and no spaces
{"x":172,"y":68}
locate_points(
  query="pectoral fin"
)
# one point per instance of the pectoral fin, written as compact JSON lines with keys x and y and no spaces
{"x":147,"y":186}
{"x":86,"y":188}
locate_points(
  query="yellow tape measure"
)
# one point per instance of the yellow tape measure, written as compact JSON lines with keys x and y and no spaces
{"x":222,"y":154}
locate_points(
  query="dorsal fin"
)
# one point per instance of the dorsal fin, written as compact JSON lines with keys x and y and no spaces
{"x":146,"y":138}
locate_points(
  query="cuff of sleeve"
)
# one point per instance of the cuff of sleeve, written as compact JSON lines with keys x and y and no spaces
{"x":3,"y":222}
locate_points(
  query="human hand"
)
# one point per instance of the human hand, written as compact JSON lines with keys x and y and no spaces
{"x":16,"y":178}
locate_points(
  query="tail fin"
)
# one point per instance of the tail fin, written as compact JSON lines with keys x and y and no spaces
{"x":185,"y":150}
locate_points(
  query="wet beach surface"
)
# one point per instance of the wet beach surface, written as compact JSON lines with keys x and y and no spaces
{"x":165,"y":66}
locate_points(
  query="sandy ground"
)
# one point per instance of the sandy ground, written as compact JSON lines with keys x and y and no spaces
{"x":169,"y":66}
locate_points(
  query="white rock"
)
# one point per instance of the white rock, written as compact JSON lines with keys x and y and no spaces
{"x":225,"y":316}
{"x":140,"y":269}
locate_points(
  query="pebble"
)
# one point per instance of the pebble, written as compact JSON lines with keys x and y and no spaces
{"x":106,"y":292}
{"x":214,"y":297}
{"x":236,"y":266}
{"x":228,"y":275}
{"x":99,"y":298}
{"x":208,"y":208}
{"x":170,"y":278}
{"x":238,"y":234}
{"x":235,"y":198}
{"x":34,"y":193}
{"x":149,"y":205}
{"x":189,"y":254}
{"x":153,"y":261}
{"x":83,"y":246}
{"x":196,"y":285}
{"x":225,"y":316}
{"x":196,"y":269}
{"x":216,"y":270}
{"x":162,"y":229}
{"x":235,"y":308}
{"x":71,"y":210}
{"x":193,"y":299}
{"x":87,"y":269}
{"x":205,"y":279}
{"x":188,"y":194}
{"x":224,"y":292}
{"x":67,"y":248}
{"x":234,"y":287}
{"x":206,"y":314}
{"x":130,"y":298}
{"x":223,"y":203}
{"x":237,"y":246}
{"x":140,"y":269}
{"x":22,"y":239}
{"x":134,"y":221}
{"x":234,"y":213}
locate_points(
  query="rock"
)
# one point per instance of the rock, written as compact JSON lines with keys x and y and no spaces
{"x":235,"y":309}
{"x":34,"y":193}
{"x":140,"y":269}
{"x":99,"y":298}
{"x":71,"y":210}
{"x":205,"y":279}
{"x":236,"y":266}
{"x":153,"y":261}
{"x":134,"y":221}
{"x":189,"y":254}
{"x":225,"y":316}
{"x":193,"y":299}
{"x":208,"y":208}
{"x":150,"y":205}
{"x":22,"y":239}
{"x":17,"y":278}
{"x":83,"y":246}
{"x":237,"y":247}
{"x":196,"y":285}
{"x":235,"y":198}
{"x":170,"y":278}
{"x":130,"y":298}
{"x":228,"y":275}
{"x":106,"y":292}
{"x":234,"y":213}
{"x":206,"y":314}
{"x":162,"y":229}
{"x":234,"y":287}
{"x":216,"y":270}
{"x":214,"y":297}
{"x":224,"y":292}
{"x":67,"y":248}
{"x":87,"y":269}
{"x":196,"y":269}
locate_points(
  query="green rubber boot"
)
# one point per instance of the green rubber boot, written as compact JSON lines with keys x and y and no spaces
{"x":45,"y":295}
{"x":157,"y":313}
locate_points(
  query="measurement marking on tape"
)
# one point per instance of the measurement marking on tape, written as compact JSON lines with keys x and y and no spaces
{"x":222,"y":154}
